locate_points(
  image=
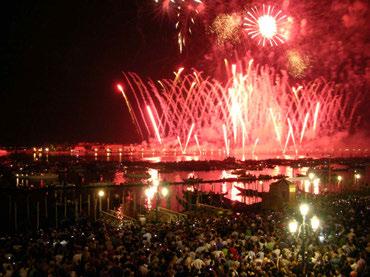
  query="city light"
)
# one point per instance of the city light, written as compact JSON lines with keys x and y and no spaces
{"x":101,"y":193}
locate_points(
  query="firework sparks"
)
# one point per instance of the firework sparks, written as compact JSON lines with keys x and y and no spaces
{"x":180,"y":144}
{"x":265,"y":25}
{"x":186,"y":13}
{"x":198,"y":145}
{"x":304,"y":126}
{"x":226,"y":27}
{"x":226,"y":140}
{"x":248,"y":106}
{"x":254,"y":146}
{"x":132,"y":114}
{"x":316,"y":115}
{"x":189,"y":136}
{"x":155,"y":127}
{"x":297,"y":63}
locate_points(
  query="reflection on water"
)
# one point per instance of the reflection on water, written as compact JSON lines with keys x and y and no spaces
{"x":119,"y":178}
{"x":152,"y":189}
{"x":229,"y":189}
{"x":153,"y":180}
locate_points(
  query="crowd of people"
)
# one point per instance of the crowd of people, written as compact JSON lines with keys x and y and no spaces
{"x":251,"y":244}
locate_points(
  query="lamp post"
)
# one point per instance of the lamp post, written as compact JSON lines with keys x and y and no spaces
{"x":101,"y":194}
{"x":164,"y":193}
{"x":308,"y":183}
{"x":357,"y":177}
{"x":311,"y":176}
{"x":303,"y":228}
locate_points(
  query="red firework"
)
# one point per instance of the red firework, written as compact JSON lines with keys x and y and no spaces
{"x":266,"y":25}
{"x":186,"y":12}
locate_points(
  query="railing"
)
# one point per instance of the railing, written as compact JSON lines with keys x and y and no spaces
{"x":115,"y":221}
{"x":172,"y":213}
{"x":205,"y":206}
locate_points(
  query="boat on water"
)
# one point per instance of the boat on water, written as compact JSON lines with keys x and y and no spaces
{"x":217,"y":200}
{"x":41,"y":176}
{"x":243,"y":174}
{"x":204,"y":193}
{"x":192,"y":179}
{"x":100,"y":184}
{"x":238,"y":171}
{"x":137,"y":175}
{"x":264,"y":177}
{"x":248,"y":192}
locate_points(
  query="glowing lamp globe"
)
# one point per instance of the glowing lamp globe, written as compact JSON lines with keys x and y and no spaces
{"x":304,"y":208}
{"x":293,"y":226}
{"x":311,"y":175}
{"x":101,"y":193}
{"x":315,"y":223}
{"x":164,"y":192}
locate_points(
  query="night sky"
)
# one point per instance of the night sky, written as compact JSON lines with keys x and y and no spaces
{"x":61,"y":60}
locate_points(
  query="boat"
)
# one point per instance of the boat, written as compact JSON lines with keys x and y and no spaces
{"x":239,"y":171}
{"x":248,"y":192}
{"x":247,"y":176}
{"x":264,"y":177}
{"x":192,"y":179}
{"x":42,"y":176}
{"x":137,"y":175}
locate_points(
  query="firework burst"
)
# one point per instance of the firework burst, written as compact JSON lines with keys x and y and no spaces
{"x":226,"y":27}
{"x":186,"y":13}
{"x":266,"y":25}
{"x":297,"y":63}
{"x":256,"y":106}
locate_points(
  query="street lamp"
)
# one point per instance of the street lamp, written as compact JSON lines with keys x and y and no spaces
{"x":164,"y":192}
{"x":315,"y":223}
{"x":312,"y":181}
{"x":311,"y":175}
{"x":340,"y":178}
{"x":304,"y":208}
{"x":357,"y":177}
{"x":303,"y":229}
{"x":101,"y":194}
{"x":293,"y":226}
